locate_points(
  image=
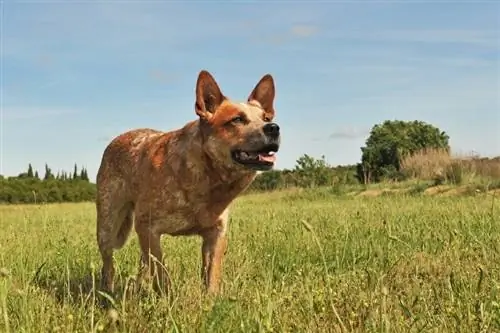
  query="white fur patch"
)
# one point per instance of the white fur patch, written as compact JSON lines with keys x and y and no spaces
{"x":253,"y":111}
{"x":139,"y":141}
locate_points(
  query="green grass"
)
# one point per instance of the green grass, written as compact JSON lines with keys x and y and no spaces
{"x":297,"y":262}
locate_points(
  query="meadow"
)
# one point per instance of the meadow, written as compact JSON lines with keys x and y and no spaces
{"x":298,"y":261}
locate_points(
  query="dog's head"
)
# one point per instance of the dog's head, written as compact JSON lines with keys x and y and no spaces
{"x":239,"y":134}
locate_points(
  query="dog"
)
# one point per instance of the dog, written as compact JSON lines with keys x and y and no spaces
{"x":182,"y":182}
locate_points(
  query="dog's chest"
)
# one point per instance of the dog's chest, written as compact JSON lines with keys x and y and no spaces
{"x":189,"y":218}
{"x":188,"y":213}
{"x":188,"y":204}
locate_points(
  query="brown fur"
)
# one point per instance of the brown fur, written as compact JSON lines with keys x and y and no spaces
{"x":180,"y":182}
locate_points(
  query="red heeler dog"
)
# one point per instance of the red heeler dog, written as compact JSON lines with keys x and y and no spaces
{"x":182,"y":182}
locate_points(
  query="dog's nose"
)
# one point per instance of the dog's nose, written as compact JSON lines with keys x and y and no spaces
{"x":272,"y":130}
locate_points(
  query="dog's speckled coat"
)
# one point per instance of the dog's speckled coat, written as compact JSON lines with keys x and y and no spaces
{"x":181,"y":182}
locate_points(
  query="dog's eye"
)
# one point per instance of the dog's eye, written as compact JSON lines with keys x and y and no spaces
{"x":267,"y":119}
{"x":238,"y":119}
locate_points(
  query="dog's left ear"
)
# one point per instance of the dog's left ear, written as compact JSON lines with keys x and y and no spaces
{"x":208,"y":95}
{"x":264,"y":93}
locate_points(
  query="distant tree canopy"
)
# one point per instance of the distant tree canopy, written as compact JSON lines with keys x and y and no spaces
{"x":308,"y":172}
{"x":390,"y":141}
{"x":27,"y":187}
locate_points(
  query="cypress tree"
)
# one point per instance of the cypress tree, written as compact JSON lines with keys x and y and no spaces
{"x":30,"y":171}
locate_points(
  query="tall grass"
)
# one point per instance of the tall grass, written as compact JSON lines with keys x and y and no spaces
{"x":297,"y":262}
{"x":441,"y":167}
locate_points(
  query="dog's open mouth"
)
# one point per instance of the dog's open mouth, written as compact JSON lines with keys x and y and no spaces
{"x":261,"y":159}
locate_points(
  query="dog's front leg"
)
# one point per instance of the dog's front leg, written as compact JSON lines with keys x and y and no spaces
{"x":213,"y":250}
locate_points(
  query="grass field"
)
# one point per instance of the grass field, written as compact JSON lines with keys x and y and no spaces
{"x":303,"y":261}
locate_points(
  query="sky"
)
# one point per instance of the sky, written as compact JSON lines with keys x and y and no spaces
{"x":76,"y":74}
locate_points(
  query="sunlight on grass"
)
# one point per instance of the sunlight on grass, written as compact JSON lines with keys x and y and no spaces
{"x":297,"y":261}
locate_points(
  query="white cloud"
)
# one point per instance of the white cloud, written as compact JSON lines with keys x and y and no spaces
{"x":349,"y":132}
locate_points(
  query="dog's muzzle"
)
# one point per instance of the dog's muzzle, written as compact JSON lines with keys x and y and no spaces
{"x":271,"y":130}
{"x":262,"y":154}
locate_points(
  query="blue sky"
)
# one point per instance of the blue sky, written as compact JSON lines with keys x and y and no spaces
{"x":76,"y":74}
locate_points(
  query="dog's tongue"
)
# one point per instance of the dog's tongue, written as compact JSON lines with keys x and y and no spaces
{"x":267,"y":158}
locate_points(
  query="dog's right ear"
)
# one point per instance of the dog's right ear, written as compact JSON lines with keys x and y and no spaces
{"x":208,"y":95}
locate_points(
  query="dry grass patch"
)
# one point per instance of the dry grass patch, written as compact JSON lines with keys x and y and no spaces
{"x":441,"y":167}
{"x":371,"y":193}
{"x":437,"y":189}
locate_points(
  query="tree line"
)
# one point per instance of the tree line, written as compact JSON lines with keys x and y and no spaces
{"x":60,"y":175}
{"x":387,"y":154}
{"x":29,"y":187}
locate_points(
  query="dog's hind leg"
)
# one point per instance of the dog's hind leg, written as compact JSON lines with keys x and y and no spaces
{"x":105,"y":241}
{"x":114,"y":222}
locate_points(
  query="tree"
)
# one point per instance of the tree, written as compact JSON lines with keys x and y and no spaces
{"x":267,"y":181}
{"x":313,"y":172}
{"x":75,"y":172}
{"x":30,"y":171}
{"x":83,"y":174}
{"x":48,"y":173}
{"x":390,"y":141}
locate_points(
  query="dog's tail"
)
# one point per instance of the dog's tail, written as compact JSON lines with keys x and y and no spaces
{"x":125,"y":227}
{"x":113,"y":229}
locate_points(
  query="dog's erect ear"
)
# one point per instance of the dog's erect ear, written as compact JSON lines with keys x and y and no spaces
{"x":264,"y":93}
{"x":208,"y":95}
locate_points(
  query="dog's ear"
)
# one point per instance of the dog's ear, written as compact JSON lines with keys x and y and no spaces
{"x":264,"y":93}
{"x":208,"y":95}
